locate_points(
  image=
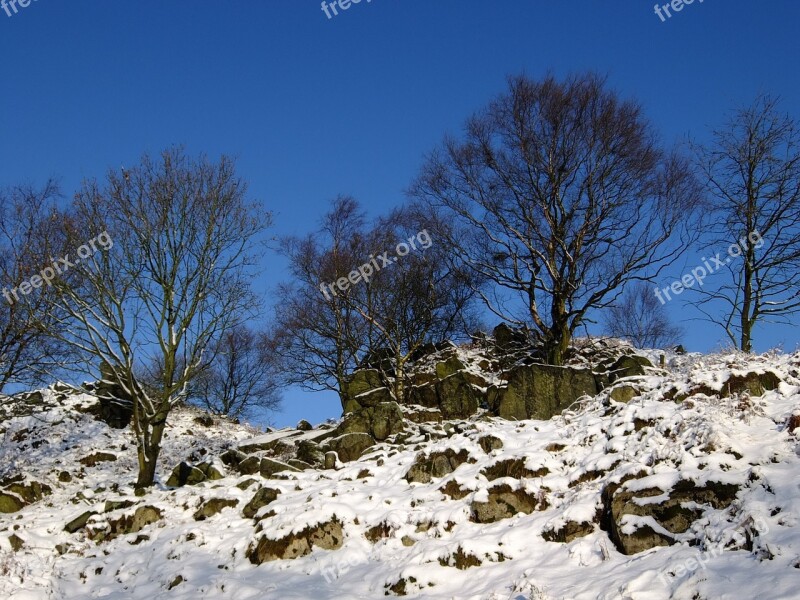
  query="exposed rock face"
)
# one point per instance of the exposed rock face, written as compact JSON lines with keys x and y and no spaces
{"x":380,"y":421}
{"x":570,"y":531}
{"x":328,"y":536}
{"x":503,"y":374}
{"x":542,"y":391}
{"x":634,"y":525}
{"x":130,"y":523}
{"x":350,"y":446}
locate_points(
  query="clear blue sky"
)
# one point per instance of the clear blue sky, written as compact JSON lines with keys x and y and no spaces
{"x":313,"y":107}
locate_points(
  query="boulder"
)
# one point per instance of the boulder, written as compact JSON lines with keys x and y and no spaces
{"x":625,"y":513}
{"x":185,"y":474}
{"x":262,"y":498}
{"x":327,"y":535}
{"x":505,"y":502}
{"x":436,"y":465}
{"x":268,"y":467}
{"x":542,"y":391}
{"x":379,"y":421}
{"x":360,"y":382}
{"x":310,"y":453}
{"x":304,"y":425}
{"x":350,"y":446}
{"x":96,"y":458}
{"x":458,"y":399}
{"x":214,"y":506}
{"x":79,"y":522}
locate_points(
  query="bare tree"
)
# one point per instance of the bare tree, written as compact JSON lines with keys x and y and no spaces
{"x":240,"y":378}
{"x":29,"y":237}
{"x":559,"y":194}
{"x":174,"y":277}
{"x":640,"y":318}
{"x":421,"y":297}
{"x":355,"y":296}
{"x":752,"y":169}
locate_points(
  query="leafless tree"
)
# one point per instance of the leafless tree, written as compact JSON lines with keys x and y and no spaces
{"x":177,"y":277}
{"x":318,"y":336}
{"x":328,"y":323}
{"x":559,"y":194}
{"x":29,"y":237}
{"x":422,"y":296}
{"x":639,"y":317}
{"x":240,"y":379}
{"x":752,"y":169}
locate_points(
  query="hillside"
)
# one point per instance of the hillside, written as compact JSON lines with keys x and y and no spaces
{"x":689,"y":490}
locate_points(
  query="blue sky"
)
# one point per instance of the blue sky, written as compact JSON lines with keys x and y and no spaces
{"x":314,"y":107}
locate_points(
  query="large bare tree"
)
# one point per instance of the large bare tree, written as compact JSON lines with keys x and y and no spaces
{"x":752,"y":170}
{"x":560,"y":193}
{"x":174,"y":277}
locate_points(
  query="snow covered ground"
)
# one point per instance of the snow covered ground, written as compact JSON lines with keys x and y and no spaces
{"x":413,"y":539}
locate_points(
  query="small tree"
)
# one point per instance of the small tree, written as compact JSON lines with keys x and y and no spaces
{"x":240,"y":378}
{"x":29,"y":237}
{"x":752,"y":170}
{"x":641,"y":319}
{"x":559,"y":194}
{"x":319,"y":337}
{"x":173,"y":276}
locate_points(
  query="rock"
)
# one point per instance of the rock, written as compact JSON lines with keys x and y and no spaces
{"x":675,"y":514}
{"x":175,"y":582}
{"x":754,"y":384}
{"x":489,"y":443}
{"x":436,"y":465}
{"x":328,"y":536}
{"x":250,"y":465}
{"x":505,"y":502}
{"x":623,"y":393}
{"x":10,"y":502}
{"x":330,"y":460}
{"x":350,"y":446}
{"x":422,"y":415}
{"x":98,"y":457}
{"x":17,"y":543}
{"x":360,"y":382}
{"x":572,"y":530}
{"x":243,"y":485}
{"x":458,"y":399}
{"x":304,"y":425}
{"x":185,"y":474}
{"x":449,"y":367}
{"x":542,"y":391}
{"x":424,"y":395}
{"x":506,"y":337}
{"x":514,"y":468}
{"x":79,"y":522}
{"x":112,"y":505}
{"x":131,"y":523}
{"x":269,"y":467}
{"x":299,"y":464}
{"x":630,"y":365}
{"x":214,"y":506}
{"x":210,"y":471}
{"x":262,"y":498}
{"x":205,"y":420}
{"x":232,"y":457}
{"x":310,"y":452}
{"x":65,"y":477}
{"x":386,"y":420}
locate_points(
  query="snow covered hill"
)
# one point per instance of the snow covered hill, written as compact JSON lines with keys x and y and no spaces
{"x":690,"y":490}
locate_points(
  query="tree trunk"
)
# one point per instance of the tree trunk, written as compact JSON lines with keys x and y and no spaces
{"x":148,"y":452}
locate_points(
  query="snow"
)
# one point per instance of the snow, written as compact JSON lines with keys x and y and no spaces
{"x":703,"y":439}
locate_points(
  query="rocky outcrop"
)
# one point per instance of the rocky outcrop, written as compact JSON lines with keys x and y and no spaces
{"x":16,"y":495}
{"x":186,"y":474}
{"x":436,"y":465}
